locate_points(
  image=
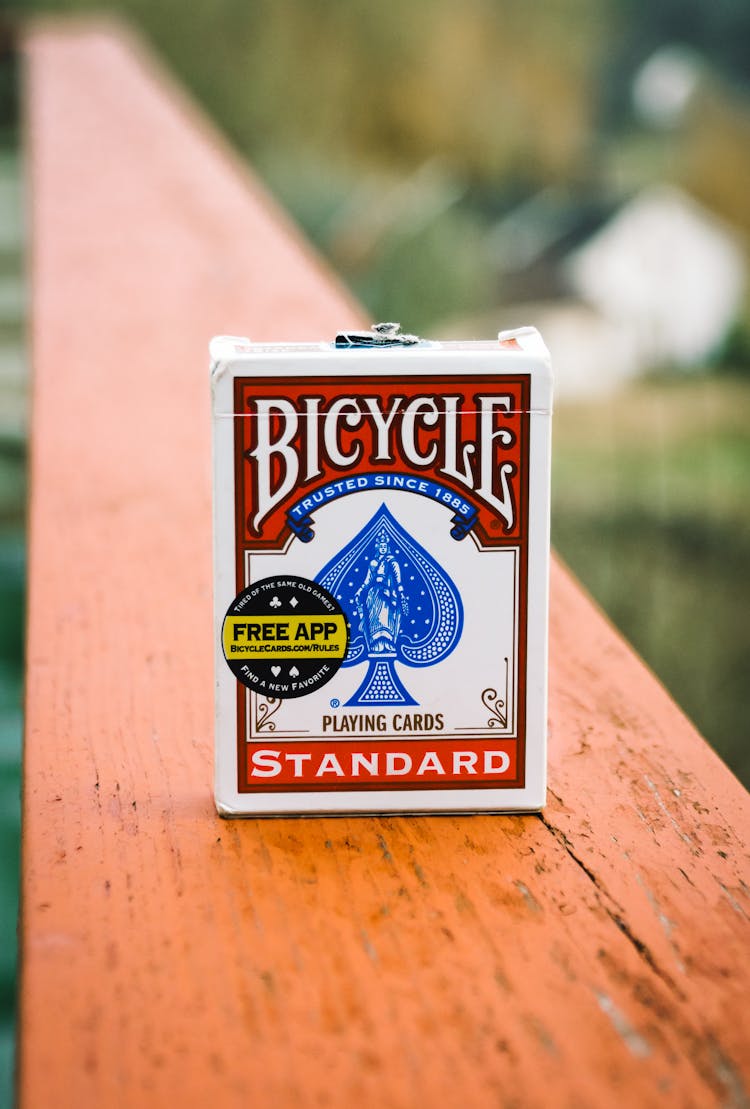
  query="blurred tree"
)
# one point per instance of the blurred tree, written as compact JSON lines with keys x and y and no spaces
{"x":719,"y":30}
{"x":487,"y":86}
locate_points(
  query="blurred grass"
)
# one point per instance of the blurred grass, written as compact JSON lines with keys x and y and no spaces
{"x":12,"y":589}
{"x":650,"y":509}
{"x":13,"y":400}
{"x":12,"y":594}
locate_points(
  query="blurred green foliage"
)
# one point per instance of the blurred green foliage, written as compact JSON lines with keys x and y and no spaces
{"x":507,"y":98}
{"x":12,"y":554}
{"x":650,"y":508}
{"x":11,"y":625}
{"x":12,"y":596}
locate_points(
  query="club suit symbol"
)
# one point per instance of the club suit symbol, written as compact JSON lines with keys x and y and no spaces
{"x":400,"y":604}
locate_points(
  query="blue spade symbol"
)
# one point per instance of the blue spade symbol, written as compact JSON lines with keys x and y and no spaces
{"x":400,"y":604}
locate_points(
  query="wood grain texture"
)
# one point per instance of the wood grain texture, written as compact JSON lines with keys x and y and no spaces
{"x":592,"y":954}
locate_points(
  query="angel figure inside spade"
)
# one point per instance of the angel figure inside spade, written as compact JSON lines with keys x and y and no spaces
{"x":401,"y":606}
{"x":381,"y":600}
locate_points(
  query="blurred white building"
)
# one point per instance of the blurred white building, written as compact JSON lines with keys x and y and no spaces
{"x":668,"y":272}
{"x":658,"y":282}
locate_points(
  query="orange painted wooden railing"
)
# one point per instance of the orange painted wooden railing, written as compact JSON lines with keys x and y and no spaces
{"x":594,"y":955}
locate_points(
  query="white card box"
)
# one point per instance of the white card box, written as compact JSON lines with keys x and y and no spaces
{"x":381,"y":545}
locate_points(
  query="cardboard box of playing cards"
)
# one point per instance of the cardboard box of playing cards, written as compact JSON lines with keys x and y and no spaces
{"x":381,"y":520}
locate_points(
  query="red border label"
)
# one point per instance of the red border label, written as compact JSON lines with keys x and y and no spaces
{"x":448,"y":429}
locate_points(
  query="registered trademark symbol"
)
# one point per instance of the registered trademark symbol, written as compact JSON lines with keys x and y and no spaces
{"x":335,"y":702}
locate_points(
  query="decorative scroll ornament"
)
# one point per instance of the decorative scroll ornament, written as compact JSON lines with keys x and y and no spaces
{"x":265,"y":708}
{"x":497,"y":706}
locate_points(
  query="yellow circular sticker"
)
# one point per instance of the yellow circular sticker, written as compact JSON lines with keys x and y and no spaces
{"x":284,"y":636}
